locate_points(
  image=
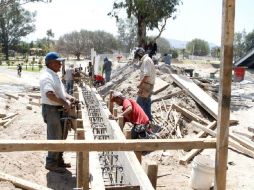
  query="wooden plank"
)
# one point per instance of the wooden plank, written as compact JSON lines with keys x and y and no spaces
{"x":200,"y":96}
{"x":232,"y":143}
{"x":167,"y":96}
{"x":11,"y":96}
{"x":106,"y":145}
{"x":24,"y":184}
{"x":189,"y":114}
{"x":10,"y":121}
{"x":242,"y":142}
{"x":10,"y":116}
{"x":248,"y":135}
{"x":34,"y":103}
{"x":185,"y":159}
{"x":36,"y":96}
{"x":125,"y":187}
{"x":159,"y":85}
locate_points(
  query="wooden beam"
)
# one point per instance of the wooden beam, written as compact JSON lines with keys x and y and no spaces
{"x":124,"y":187}
{"x":11,"y":96}
{"x":232,"y":143}
{"x":106,"y":145}
{"x":228,"y":18}
{"x":24,"y":184}
{"x":189,"y":114}
{"x":167,"y":96}
{"x":79,"y":135}
{"x":185,"y":159}
{"x":111,"y":104}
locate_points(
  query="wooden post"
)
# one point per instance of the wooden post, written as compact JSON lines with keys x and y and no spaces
{"x":152,"y":170}
{"x":228,"y":17}
{"x":115,"y":112}
{"x":79,"y":135}
{"x":121,"y":122}
{"x":85,"y":165}
{"x":127,"y":133}
{"x":139,"y":156}
{"x":79,"y":114}
{"x":111,"y":104}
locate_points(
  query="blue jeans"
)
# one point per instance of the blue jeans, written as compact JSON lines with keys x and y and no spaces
{"x":145,"y":104}
{"x":69,"y":86}
{"x":107,"y":75}
{"x":51,"y":117}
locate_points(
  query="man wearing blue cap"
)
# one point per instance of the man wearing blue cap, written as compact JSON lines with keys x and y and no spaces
{"x":53,"y":99}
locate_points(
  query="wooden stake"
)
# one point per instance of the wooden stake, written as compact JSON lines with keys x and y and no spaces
{"x":152,"y":171}
{"x":121,"y":122}
{"x":228,"y":18}
{"x":111,"y":104}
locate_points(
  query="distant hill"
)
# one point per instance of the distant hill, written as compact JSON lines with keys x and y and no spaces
{"x":182,"y":44}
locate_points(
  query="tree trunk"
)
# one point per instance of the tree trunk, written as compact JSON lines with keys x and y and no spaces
{"x":78,"y":56}
{"x":6,"y":50}
{"x":141,"y":32}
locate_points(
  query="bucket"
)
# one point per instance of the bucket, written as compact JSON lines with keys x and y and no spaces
{"x":202,"y":173}
{"x":239,"y":73}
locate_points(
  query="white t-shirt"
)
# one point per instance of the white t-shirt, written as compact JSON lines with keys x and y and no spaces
{"x":69,"y":74}
{"x":50,"y":81}
{"x":147,"y":69}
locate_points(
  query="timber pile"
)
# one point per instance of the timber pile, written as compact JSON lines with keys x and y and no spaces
{"x":7,"y":120}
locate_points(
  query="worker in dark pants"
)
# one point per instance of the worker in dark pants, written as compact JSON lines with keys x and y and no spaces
{"x":54,"y":100}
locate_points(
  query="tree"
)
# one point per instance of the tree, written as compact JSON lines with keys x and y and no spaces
{"x":239,"y":44}
{"x":249,"y":41}
{"x":215,"y":52}
{"x":15,"y":22}
{"x":127,"y":33}
{"x":50,"y":35}
{"x":78,"y":43}
{"x":198,"y":47}
{"x":163,"y":45}
{"x":149,"y":14}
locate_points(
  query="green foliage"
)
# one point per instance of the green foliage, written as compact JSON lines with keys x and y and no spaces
{"x":15,"y":22}
{"x":127,"y":33}
{"x":163,"y":45}
{"x":198,"y":47}
{"x":174,"y":53}
{"x":249,"y":41}
{"x":149,"y":14}
{"x":77,"y":43}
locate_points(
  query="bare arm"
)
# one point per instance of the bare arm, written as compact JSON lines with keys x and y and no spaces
{"x":66,"y":103}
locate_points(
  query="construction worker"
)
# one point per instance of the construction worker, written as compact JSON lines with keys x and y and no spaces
{"x":134,"y":114}
{"x":107,"y":67}
{"x":69,"y":79}
{"x":54,"y":99}
{"x":147,"y":80}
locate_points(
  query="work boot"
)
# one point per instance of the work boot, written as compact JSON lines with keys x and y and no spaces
{"x":56,"y":169}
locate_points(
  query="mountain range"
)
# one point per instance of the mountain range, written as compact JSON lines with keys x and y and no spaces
{"x":182,"y":44}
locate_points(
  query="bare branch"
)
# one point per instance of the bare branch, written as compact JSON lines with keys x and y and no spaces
{"x":162,"y":28}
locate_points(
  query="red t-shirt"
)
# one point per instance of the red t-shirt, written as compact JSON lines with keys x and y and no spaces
{"x":137,"y":116}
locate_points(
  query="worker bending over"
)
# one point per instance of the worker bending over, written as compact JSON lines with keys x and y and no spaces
{"x":134,"y":114}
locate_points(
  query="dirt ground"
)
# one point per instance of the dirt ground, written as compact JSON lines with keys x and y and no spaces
{"x":171,"y":175}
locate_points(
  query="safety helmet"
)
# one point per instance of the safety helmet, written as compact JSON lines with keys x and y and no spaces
{"x":139,"y":53}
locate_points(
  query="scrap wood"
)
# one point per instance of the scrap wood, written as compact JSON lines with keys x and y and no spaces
{"x":34,"y":103}
{"x":159,"y":85}
{"x":185,"y":159}
{"x":199,"y":95}
{"x":189,"y":114}
{"x":2,"y":115}
{"x":232,"y":143}
{"x":242,"y":142}
{"x":36,"y":96}
{"x":3,"y":121}
{"x":24,"y":184}
{"x":11,"y":96}
{"x":168,"y":96}
{"x":251,"y":129}
{"x":10,"y":116}
{"x":244,"y":134}
{"x":10,"y":121}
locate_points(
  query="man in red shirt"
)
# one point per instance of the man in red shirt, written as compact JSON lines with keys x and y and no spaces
{"x":133,"y":113}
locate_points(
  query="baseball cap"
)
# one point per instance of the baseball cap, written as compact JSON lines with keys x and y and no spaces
{"x":116,"y":94}
{"x":53,"y":56}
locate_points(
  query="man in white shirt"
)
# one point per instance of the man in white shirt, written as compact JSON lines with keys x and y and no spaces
{"x":147,"y":80}
{"x":54,"y":99}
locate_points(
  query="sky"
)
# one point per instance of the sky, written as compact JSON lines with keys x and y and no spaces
{"x":194,"y":18}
